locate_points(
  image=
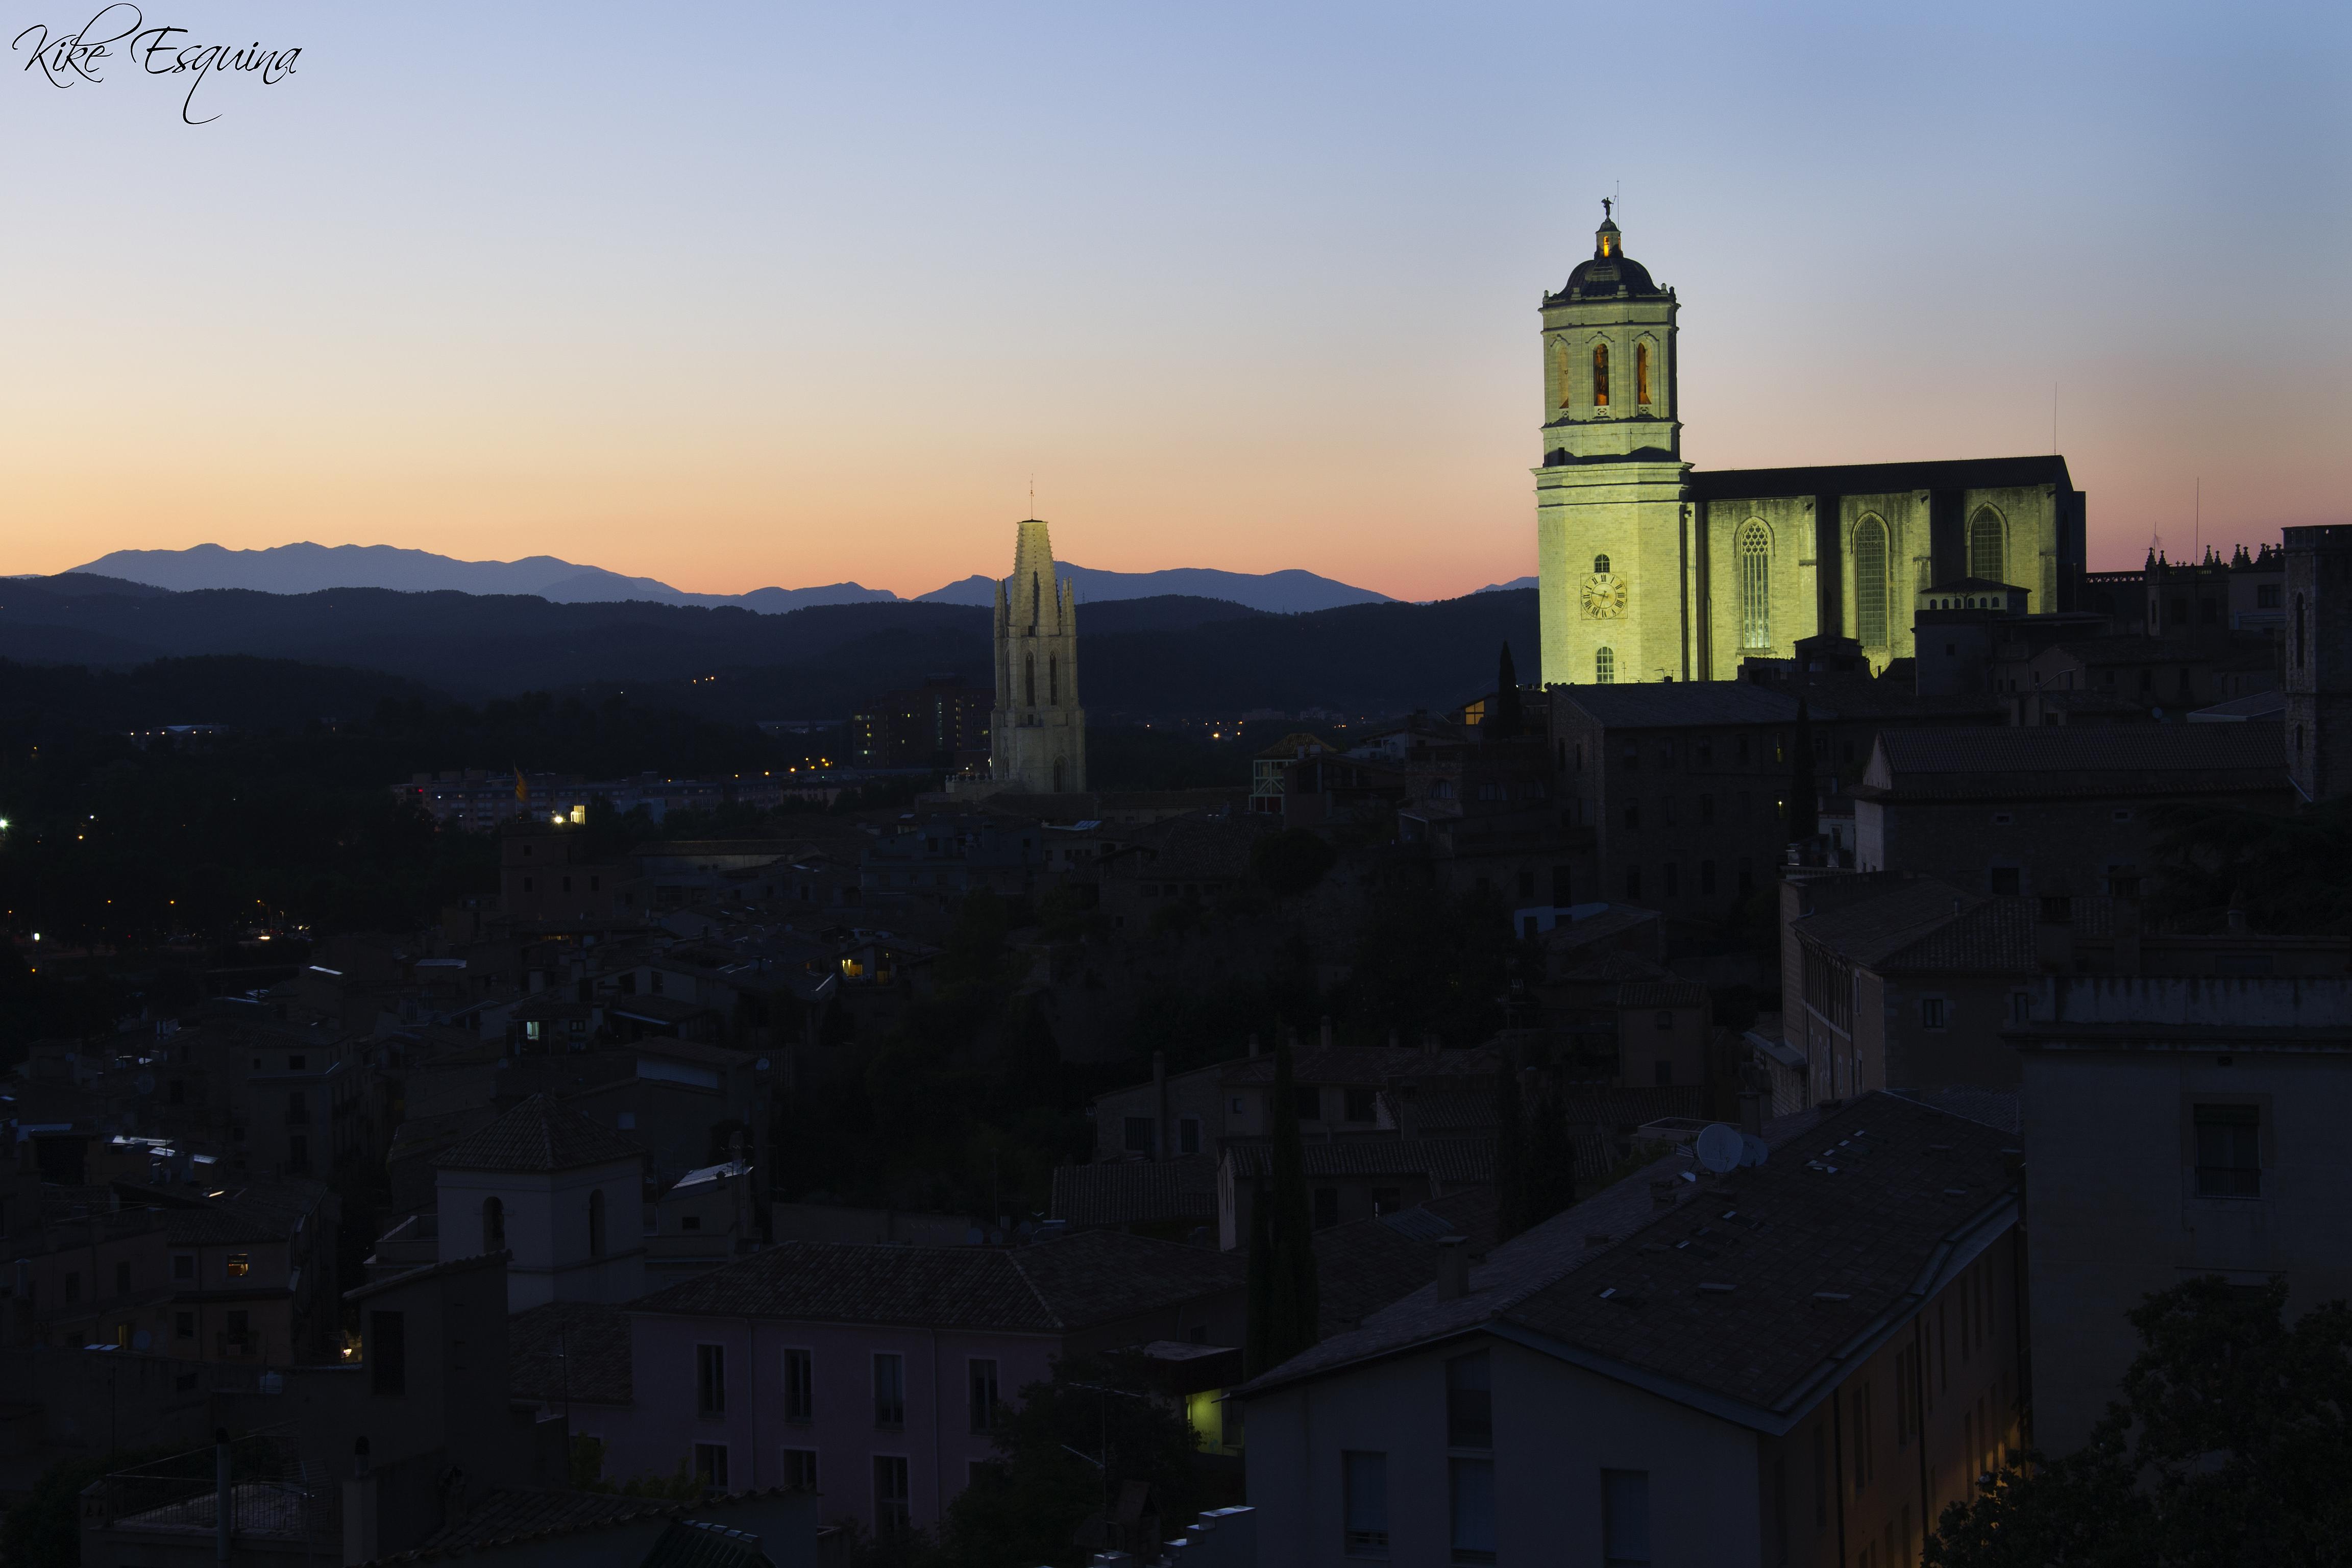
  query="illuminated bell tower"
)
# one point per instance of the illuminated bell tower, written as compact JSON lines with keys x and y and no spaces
{"x":1609,"y":516}
{"x":1037,"y":734}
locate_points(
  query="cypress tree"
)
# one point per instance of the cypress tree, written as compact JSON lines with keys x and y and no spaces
{"x":1805,"y":795}
{"x":1261,"y":1280}
{"x":1510,"y":1153}
{"x":1506,"y":721}
{"x":1293,"y":1309}
{"x":1551,"y":1180}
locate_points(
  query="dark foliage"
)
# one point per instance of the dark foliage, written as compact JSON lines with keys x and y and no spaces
{"x":1291,"y":861}
{"x":1507,"y":722}
{"x":1804,"y":791}
{"x":1290,"y":1299}
{"x":1428,"y":964}
{"x":2288,"y":873}
{"x":43,"y":1529}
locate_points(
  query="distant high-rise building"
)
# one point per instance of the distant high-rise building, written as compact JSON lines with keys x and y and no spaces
{"x":2319,"y":661}
{"x":1037,"y":734}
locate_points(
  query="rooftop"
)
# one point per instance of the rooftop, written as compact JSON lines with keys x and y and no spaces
{"x":539,"y":1135}
{"x":569,"y":1350}
{"x":2108,"y":759}
{"x":1879,"y":479}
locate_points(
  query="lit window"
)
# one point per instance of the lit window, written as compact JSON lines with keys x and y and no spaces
{"x":1601,"y":375}
{"x":239,"y":1263}
{"x":1641,"y":375}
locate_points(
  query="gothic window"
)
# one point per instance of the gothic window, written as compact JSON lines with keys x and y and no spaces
{"x":1755,"y":586}
{"x":2298,"y":635}
{"x":1985,"y":547}
{"x":1566,"y":363}
{"x":1601,"y":566}
{"x":1641,"y":375}
{"x":1053,"y":677}
{"x":1029,"y":680}
{"x":494,"y":1224}
{"x":1604,"y":666}
{"x":1036,"y":597}
{"x":1870,"y":582}
{"x":1601,"y":375}
{"x":1057,"y":776}
{"x":596,"y":1223}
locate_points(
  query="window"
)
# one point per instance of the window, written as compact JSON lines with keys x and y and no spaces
{"x":1307,"y":1102}
{"x":1707,"y":877}
{"x":1387,"y":1200}
{"x":1566,"y":359}
{"x":239,"y":1264}
{"x":298,"y":1109}
{"x":122,"y":1278}
{"x":1870,"y":582}
{"x":1624,"y":1517}
{"x":1632,"y":883}
{"x":1931,"y":1012}
{"x":1363,"y":1102}
{"x":710,"y":1380}
{"x":1188,"y":1135}
{"x":711,"y":1465}
{"x":800,"y":1469}
{"x":2003,"y":882}
{"x":2229,"y":1150}
{"x":1641,"y":375}
{"x":981,"y":1383}
{"x":1604,"y":666}
{"x":1633,"y":814}
{"x":1755,"y":588}
{"x":183,"y":1265}
{"x":1327,"y":1208}
{"x":387,"y":1352}
{"x":889,"y":1389}
{"x":298,"y":1154}
{"x":892,"y":1515}
{"x":596,"y":1223}
{"x":1601,"y":375}
{"x":1469,"y":1403}
{"x":2021,"y":1008}
{"x":183,"y":1325}
{"x":1985,"y":553}
{"x":800,"y":1386}
{"x":1137,"y":1134}
{"x":1663,"y":1072}
{"x":1364,"y":1479}
{"x":494,"y":1224}
{"x":1472,"y":1509}
{"x":1706,"y":809}
{"x":1601,"y":566}
{"x":1674,"y":878}
{"x":240,"y":1328}
{"x":296,"y":1064}
{"x":1865,"y":1449}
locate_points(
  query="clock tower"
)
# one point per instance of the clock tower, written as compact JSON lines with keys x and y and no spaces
{"x":1610,"y":523}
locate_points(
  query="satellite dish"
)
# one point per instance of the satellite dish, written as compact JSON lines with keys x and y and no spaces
{"x":1752,"y":1150}
{"x":141,"y":1339}
{"x":144,"y":1083}
{"x":1719,"y":1148}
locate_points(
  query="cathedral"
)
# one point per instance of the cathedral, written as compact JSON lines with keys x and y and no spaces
{"x":1037,"y":732}
{"x":1652,"y":569}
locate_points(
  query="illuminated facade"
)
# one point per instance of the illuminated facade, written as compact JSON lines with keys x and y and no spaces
{"x":1651,"y":570}
{"x":1037,"y":732}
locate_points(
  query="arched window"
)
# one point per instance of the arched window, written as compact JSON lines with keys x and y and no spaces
{"x":1036,"y":597}
{"x":1601,"y":375}
{"x":1604,"y":666}
{"x":1985,"y":554}
{"x":2298,"y":635}
{"x":1755,"y":588}
{"x":1601,"y":566}
{"x":1641,"y":375}
{"x":1057,"y":776}
{"x":1870,"y":582}
{"x":1564,"y":361}
{"x":494,"y":1224}
{"x":1053,"y":677}
{"x":596,"y":1223}
{"x":1029,"y":680}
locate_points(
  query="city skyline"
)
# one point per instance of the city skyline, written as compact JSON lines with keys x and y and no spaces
{"x":805,"y":298}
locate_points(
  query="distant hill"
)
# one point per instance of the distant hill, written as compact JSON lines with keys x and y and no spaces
{"x":1507,"y":587}
{"x":1166,"y":655}
{"x":315,"y":568}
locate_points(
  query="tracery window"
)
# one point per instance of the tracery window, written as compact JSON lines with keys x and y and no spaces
{"x":1755,"y":588}
{"x":1601,"y":375}
{"x":1985,"y":553}
{"x":1870,"y":582}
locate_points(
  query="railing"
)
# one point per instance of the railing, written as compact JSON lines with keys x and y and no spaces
{"x":272,"y":1489}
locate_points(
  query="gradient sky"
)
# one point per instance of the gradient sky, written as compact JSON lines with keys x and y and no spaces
{"x":737,"y":295}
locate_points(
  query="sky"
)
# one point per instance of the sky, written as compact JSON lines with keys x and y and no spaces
{"x":782,"y":294}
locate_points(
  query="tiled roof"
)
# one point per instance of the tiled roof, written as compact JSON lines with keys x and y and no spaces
{"x":2065,"y":759}
{"x":1367,"y":1064}
{"x":1092,"y":1276}
{"x":1451,"y":1160}
{"x":539,"y":1135}
{"x":1366,"y":1264}
{"x":1877,"y":478}
{"x":1130,"y":1191}
{"x":1750,"y":1297}
{"x":1447,"y":1110}
{"x":1995,"y":937}
{"x":569,"y":1351}
{"x":1866,"y":920}
{"x":1663,"y":994}
{"x":447,"y":1266}
{"x":1626,"y":1109}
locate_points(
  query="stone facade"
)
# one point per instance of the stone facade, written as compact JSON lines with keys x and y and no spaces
{"x":2319,"y":661}
{"x":1037,"y":734}
{"x":1652,"y":571}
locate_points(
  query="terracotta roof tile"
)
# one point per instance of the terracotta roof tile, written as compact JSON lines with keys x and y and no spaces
{"x":568,"y":1351}
{"x":539,"y":1135}
{"x":1130,"y":1191}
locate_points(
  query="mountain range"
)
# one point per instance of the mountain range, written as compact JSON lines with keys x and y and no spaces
{"x":307,"y":568}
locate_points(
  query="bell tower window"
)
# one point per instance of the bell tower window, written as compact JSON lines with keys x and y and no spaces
{"x":1641,"y":375}
{"x":1604,"y":666}
{"x":1601,"y":566}
{"x":1601,"y":375}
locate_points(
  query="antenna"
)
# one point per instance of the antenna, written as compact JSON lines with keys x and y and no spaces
{"x":2197,"y":519}
{"x":2054,"y":418}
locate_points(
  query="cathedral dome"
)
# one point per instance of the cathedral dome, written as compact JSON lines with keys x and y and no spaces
{"x":1610,"y":274}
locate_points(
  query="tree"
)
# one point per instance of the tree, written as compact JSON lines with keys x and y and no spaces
{"x":1288,"y":1302}
{"x":1550,"y":1178}
{"x":1092,"y":1425}
{"x":1511,"y":1152}
{"x":1804,"y":793}
{"x":2228,"y":1447}
{"x":1506,"y":723}
{"x":1290,"y":861}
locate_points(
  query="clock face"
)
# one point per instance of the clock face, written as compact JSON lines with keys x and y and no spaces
{"x":1605,"y":595}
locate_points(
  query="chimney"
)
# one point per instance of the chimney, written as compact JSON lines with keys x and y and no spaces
{"x":1452,"y":1267}
{"x":1751,"y":1113}
{"x":2053,"y":936}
